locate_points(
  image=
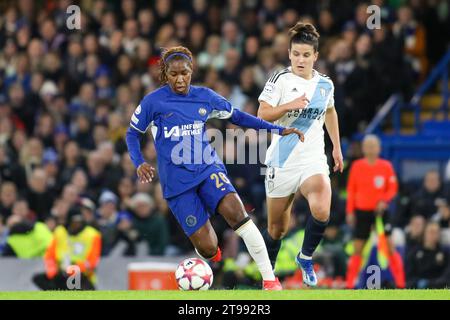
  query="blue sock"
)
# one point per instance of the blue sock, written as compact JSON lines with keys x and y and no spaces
{"x":313,"y":234}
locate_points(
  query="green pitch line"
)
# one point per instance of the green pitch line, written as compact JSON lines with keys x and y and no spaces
{"x":232,"y":295}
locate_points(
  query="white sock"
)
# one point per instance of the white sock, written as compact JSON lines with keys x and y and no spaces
{"x":257,"y":248}
{"x":302,"y":256}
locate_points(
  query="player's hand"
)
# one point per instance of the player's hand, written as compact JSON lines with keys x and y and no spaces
{"x":299,"y":103}
{"x":288,"y":131}
{"x":338,"y":160}
{"x":145,"y":173}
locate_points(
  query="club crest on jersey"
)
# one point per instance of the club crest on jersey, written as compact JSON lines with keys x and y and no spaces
{"x":191,"y":220}
{"x":202,"y":111}
{"x":323,"y":92}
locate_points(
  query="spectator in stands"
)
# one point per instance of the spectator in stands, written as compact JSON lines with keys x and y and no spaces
{"x":442,"y":217}
{"x":113,"y":224}
{"x":11,"y":170}
{"x":150,"y":224}
{"x":40,"y":197}
{"x":423,"y":202}
{"x":87,"y":210}
{"x":71,"y":160}
{"x":412,"y":35}
{"x":8,"y":196}
{"x":427,"y":266}
{"x":414,"y":234}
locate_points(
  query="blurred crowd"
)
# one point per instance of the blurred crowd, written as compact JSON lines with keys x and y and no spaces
{"x":66,"y":97}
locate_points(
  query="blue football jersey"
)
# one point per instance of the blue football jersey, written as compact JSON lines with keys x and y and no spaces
{"x":185,"y":157}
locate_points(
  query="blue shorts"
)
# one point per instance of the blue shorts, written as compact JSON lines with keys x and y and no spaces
{"x":193,"y":207}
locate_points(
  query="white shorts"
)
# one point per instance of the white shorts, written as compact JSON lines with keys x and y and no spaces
{"x":282,"y":182}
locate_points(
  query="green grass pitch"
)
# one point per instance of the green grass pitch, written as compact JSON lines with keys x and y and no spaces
{"x":232,"y":295}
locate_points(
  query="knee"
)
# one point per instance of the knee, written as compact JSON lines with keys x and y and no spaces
{"x":277,"y":232}
{"x":232,"y":210}
{"x":207,"y":250}
{"x":320,"y":212}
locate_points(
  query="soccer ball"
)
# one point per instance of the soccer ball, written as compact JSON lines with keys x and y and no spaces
{"x":194,"y":274}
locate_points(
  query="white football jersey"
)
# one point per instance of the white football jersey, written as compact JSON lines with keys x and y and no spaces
{"x":283,"y":87}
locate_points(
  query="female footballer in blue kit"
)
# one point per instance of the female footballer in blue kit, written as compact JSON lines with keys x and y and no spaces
{"x":195,"y":188}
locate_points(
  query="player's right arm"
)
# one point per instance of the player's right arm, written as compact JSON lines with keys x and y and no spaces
{"x":140,"y":121}
{"x":271,"y":113}
{"x":269,"y":107}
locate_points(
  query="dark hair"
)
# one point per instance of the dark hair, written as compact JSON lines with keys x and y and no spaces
{"x":174,"y":53}
{"x":304,"y":33}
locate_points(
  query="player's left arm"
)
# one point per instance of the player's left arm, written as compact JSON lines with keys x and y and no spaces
{"x":332,"y":125}
{"x":222,"y":109}
{"x":246,"y":120}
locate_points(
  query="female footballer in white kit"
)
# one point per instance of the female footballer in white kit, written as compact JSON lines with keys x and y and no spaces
{"x":300,"y":97}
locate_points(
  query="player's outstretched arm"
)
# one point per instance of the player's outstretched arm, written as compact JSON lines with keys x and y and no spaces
{"x":246,"y":120}
{"x":288,"y":131}
{"x":144,"y":171}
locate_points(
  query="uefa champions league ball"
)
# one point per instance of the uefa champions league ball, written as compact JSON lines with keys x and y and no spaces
{"x":194,"y":274}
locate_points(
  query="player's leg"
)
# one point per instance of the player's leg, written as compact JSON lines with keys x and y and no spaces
{"x":205,"y":242}
{"x":219,"y":195}
{"x":363,"y":225}
{"x":193,"y":217}
{"x":278,"y":218}
{"x":281,"y":184}
{"x":317,"y":190}
{"x":233,"y":211}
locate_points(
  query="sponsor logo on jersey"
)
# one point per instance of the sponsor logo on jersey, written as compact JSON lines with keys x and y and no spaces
{"x":184,"y":130}
{"x":269,"y":87}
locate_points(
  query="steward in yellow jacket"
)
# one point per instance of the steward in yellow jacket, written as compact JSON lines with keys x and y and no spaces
{"x":71,"y":258}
